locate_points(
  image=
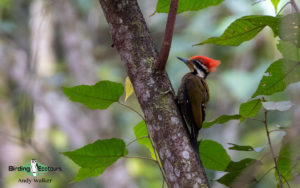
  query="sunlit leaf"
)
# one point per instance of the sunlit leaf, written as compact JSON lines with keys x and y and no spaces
{"x":250,"y":108}
{"x":98,"y":96}
{"x":280,"y":106}
{"x":220,"y":120}
{"x":244,"y":29}
{"x":96,"y":157}
{"x":128,"y":88}
{"x":163,"y":6}
{"x":275,"y":3}
{"x":141,"y":133}
{"x":213,"y":155}
{"x":278,"y":76}
{"x":240,"y":147}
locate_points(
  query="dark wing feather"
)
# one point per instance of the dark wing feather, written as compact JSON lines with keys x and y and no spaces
{"x":193,"y":98}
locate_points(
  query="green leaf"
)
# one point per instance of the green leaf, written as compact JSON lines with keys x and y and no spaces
{"x":250,"y":108}
{"x":244,"y":29}
{"x":289,"y":28}
{"x":235,"y":170}
{"x":275,"y":3}
{"x":284,"y":162}
{"x":140,"y":130}
{"x":288,"y":50}
{"x":163,"y":6}
{"x":98,"y":96}
{"x":278,"y":76}
{"x":240,"y":148}
{"x":88,"y":172}
{"x":96,"y":157}
{"x":213,"y":155}
{"x":240,"y":165}
{"x":228,"y":178}
{"x":220,"y":120}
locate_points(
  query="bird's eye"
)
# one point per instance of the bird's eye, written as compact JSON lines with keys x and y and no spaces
{"x":197,"y":62}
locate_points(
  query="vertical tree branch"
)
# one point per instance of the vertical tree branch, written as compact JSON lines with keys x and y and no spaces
{"x":161,"y":62}
{"x":271,"y":148}
{"x":132,"y":39}
{"x":294,"y":5}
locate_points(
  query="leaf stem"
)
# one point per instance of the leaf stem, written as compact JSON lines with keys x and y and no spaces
{"x":265,"y":174}
{"x":136,"y":140}
{"x":262,"y":121}
{"x":271,"y":148}
{"x":132,"y":109}
{"x":139,"y":157}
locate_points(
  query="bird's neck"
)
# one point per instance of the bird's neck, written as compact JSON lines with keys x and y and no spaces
{"x":200,"y":73}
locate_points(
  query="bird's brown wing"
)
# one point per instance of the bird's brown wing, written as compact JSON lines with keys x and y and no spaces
{"x":195,"y":99}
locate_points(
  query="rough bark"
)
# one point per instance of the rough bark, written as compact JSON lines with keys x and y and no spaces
{"x":131,"y":37}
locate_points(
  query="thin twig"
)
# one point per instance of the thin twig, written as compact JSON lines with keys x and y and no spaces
{"x":286,"y":181}
{"x":156,"y":156}
{"x":132,"y":109}
{"x":163,"y":184}
{"x":294,"y":5}
{"x":264,"y":174}
{"x":262,"y":121}
{"x":135,"y":140}
{"x":161,"y":62}
{"x":139,"y":157}
{"x":271,"y":148}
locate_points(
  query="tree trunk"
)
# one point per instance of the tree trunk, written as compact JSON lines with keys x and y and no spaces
{"x":131,"y":37}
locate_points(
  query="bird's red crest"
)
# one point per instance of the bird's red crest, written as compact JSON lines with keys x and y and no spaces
{"x":211,"y":64}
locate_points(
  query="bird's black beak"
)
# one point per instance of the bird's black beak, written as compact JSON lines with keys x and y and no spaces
{"x":186,"y":61}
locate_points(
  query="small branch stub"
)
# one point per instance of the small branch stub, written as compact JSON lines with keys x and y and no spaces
{"x":161,"y":62}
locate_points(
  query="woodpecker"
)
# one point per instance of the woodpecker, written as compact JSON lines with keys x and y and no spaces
{"x":193,"y":93}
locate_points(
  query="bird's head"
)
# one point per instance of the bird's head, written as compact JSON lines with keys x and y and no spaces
{"x":201,"y":65}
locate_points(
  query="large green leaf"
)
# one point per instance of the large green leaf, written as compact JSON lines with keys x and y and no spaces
{"x":163,"y":6}
{"x":289,"y":156}
{"x":284,"y":162}
{"x":278,"y":76}
{"x":244,"y":29}
{"x":140,"y":131}
{"x":288,"y":50}
{"x":98,"y":96}
{"x":96,"y":157}
{"x":235,"y":169}
{"x":220,"y":120}
{"x":213,"y":155}
{"x":250,"y":108}
{"x":240,"y":165}
{"x":290,"y":28}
